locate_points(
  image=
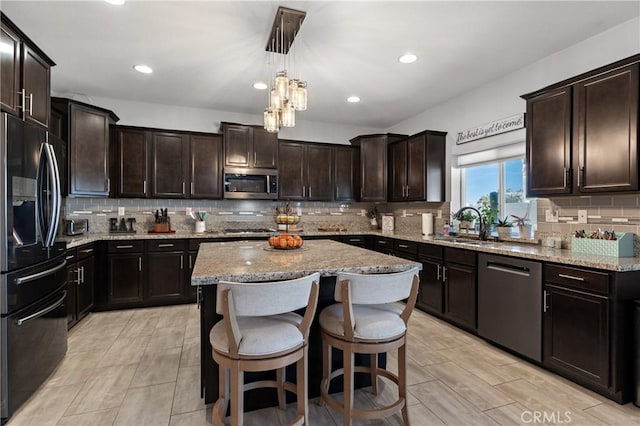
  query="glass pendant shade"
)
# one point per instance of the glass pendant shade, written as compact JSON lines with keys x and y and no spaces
{"x":276,"y":100}
{"x":281,"y":84}
{"x":288,"y":115}
{"x":272,"y":120}
{"x":293,"y":92}
{"x":301,"y":96}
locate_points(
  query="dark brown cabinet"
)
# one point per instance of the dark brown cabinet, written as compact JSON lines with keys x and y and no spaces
{"x":576,"y":323}
{"x":549,"y":143}
{"x":431,"y":292}
{"x":417,"y":167}
{"x":459,"y":275}
{"x":306,"y":171}
{"x":574,"y":124}
{"x":85,"y":128}
{"x":152,"y":163}
{"x":249,"y":146}
{"x":205,"y":166}
{"x":25,"y":88}
{"x":125,"y":272}
{"x":81,"y":272}
{"x":346,"y":163}
{"x":373,"y":165}
{"x":169,"y":165}
{"x":166,"y":263}
{"x":606,"y":126}
{"x":133,"y":162}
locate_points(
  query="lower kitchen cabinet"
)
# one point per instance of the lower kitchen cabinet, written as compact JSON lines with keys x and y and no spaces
{"x":125,"y":272}
{"x":576,"y":323}
{"x":80,"y":283}
{"x":431,"y":292}
{"x":166,"y":270}
{"x":459,"y":275}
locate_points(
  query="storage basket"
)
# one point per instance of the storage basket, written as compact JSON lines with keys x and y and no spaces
{"x":622,"y":247}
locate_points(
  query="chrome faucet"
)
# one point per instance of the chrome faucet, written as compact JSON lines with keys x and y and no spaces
{"x":482,"y":234}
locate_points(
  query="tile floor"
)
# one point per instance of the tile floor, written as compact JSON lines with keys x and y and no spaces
{"x":141,"y":367}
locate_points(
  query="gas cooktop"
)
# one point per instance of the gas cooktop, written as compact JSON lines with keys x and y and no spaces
{"x":247,"y":230}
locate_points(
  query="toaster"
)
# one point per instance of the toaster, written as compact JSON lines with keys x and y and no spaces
{"x":76,"y":226}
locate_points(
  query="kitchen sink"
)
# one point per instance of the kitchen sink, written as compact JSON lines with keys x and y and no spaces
{"x":466,"y":241}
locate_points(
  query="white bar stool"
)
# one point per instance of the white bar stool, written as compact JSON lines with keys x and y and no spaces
{"x":260,"y":332}
{"x":367,"y":321}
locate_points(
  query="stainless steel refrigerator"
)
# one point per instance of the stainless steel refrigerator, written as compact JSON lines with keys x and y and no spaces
{"x":33,"y":317}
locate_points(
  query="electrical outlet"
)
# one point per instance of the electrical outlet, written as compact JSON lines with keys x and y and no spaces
{"x":439,"y":214}
{"x":188,"y":211}
{"x":582,"y":216}
{"x":551,"y":216}
{"x":120,"y":211}
{"x":299,"y":211}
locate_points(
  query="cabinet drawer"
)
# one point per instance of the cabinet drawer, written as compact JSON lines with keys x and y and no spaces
{"x":580,"y":279}
{"x":357,"y":240}
{"x":85,"y":251}
{"x":166,"y":245}
{"x":463,"y":257}
{"x":71,"y":255}
{"x":125,"y":246}
{"x":430,"y":250}
{"x":382,"y":242}
{"x":407,"y":247}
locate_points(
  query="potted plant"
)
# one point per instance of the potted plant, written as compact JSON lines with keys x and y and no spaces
{"x":373,"y":214}
{"x":466,"y":219}
{"x":524,"y":229}
{"x":489,"y":214}
{"x":504,"y":227}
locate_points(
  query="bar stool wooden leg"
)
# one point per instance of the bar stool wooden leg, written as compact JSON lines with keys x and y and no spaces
{"x":220,"y":407}
{"x":347,"y":360}
{"x":326,"y":367}
{"x":281,"y":375}
{"x":237,"y":397}
{"x":374,"y":373}
{"x":301,"y":387}
{"x":402,"y":380}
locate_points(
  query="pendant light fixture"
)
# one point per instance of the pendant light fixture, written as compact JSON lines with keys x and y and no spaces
{"x":286,"y":95}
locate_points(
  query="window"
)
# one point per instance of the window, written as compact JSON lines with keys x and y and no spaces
{"x":499,"y":185}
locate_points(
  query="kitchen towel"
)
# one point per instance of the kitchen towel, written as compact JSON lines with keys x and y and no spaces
{"x":427,"y":223}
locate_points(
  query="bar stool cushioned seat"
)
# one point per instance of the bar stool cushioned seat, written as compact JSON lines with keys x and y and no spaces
{"x":260,"y":332}
{"x":367,"y":320}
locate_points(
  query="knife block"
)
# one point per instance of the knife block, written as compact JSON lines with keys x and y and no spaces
{"x":162,"y":226}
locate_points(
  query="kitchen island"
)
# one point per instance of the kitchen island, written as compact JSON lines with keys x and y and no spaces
{"x":254,"y":261}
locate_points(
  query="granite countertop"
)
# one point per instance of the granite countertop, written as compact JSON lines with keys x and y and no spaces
{"x":246,"y":261}
{"x":515,"y":249}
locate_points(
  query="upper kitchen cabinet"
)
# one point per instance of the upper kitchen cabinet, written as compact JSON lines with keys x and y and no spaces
{"x":249,"y":146}
{"x":306,"y":171}
{"x":549,"y":143}
{"x":416,"y":167}
{"x":373,"y":164}
{"x":25,"y":89}
{"x":346,"y":162}
{"x":155,"y":163}
{"x":85,"y":128}
{"x":582,"y":133}
{"x":169,"y":165}
{"x":132,"y":167}
{"x":205,"y":166}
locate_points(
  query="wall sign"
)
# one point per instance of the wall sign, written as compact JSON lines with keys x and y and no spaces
{"x":496,"y":127}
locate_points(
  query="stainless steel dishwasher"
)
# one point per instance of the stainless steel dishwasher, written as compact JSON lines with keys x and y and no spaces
{"x":510,"y":303}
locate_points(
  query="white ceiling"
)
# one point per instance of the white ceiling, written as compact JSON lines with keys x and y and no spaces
{"x":208,"y":54}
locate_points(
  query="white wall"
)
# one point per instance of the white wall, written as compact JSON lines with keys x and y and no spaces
{"x":501,"y":98}
{"x":144,"y":114}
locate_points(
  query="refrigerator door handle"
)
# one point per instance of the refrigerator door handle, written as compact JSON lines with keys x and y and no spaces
{"x":41,"y":203}
{"x":54,"y":206}
{"x":28,"y":278}
{"x":43,"y":311}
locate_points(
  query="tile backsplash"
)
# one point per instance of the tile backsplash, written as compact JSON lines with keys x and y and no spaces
{"x":248,"y":213}
{"x":620,"y":213}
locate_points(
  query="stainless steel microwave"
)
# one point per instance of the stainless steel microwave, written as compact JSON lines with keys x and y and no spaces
{"x":253,"y":184}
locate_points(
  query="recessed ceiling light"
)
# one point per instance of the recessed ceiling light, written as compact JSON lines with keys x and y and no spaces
{"x":116,"y":2}
{"x":260,"y":85}
{"x":353,"y":99}
{"x":408,"y":58}
{"x":145,"y":69}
